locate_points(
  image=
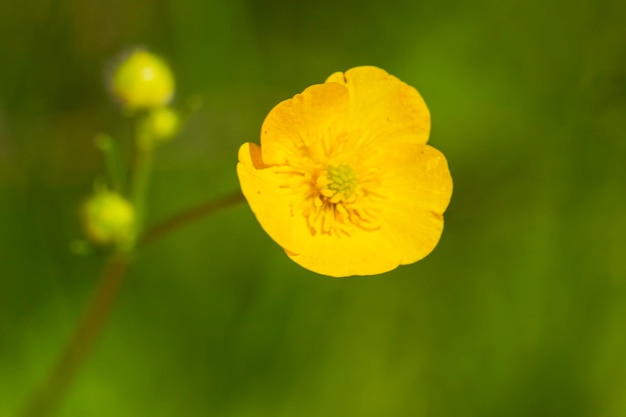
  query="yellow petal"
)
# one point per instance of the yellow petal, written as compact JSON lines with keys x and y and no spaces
{"x":276,"y":206}
{"x":363,"y":253}
{"x":383,"y":107}
{"x":304,"y":126}
{"x":418,"y":187}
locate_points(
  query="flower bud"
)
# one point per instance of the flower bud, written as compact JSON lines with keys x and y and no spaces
{"x":142,"y":80}
{"x":159,"y":125}
{"x":108,"y":218}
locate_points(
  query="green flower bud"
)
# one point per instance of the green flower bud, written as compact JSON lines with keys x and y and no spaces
{"x":108,"y":218}
{"x":142,"y":80}
{"x":160,"y":125}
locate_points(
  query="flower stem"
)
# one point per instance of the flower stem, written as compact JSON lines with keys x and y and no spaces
{"x":112,"y":159}
{"x":139,"y":185}
{"x":190,"y":215}
{"x":48,"y":397}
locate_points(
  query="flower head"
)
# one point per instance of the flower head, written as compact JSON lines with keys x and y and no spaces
{"x":343,"y":179}
{"x":142,"y":80}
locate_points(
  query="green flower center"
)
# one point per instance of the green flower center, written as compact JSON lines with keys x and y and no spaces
{"x":337,"y":183}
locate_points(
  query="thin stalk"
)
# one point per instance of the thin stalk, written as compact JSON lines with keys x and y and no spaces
{"x":112,"y":161}
{"x":47,"y":399}
{"x":169,"y":225}
{"x":139,"y":185}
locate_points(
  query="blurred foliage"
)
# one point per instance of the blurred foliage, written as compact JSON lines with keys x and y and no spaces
{"x":519,"y":311}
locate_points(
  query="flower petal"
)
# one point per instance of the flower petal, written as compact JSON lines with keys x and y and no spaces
{"x":304,"y":126}
{"x":364,"y":253}
{"x":274,"y":205}
{"x":418,"y":187}
{"x":382,"y":106}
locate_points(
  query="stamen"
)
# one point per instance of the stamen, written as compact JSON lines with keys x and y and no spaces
{"x":338,"y":203}
{"x":337,"y":183}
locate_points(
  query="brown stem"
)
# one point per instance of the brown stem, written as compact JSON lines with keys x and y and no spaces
{"x":181,"y":219}
{"x":47,"y":398}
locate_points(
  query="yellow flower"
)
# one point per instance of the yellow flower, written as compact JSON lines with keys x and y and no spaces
{"x":343,"y":179}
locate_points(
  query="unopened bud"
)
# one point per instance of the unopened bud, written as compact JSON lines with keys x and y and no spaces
{"x":108,"y":218}
{"x":142,"y":80}
{"x":160,"y":125}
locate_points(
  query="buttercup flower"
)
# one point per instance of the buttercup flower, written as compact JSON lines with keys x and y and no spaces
{"x":343,"y":179}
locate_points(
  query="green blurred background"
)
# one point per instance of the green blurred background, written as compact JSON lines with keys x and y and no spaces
{"x":520,"y":310}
